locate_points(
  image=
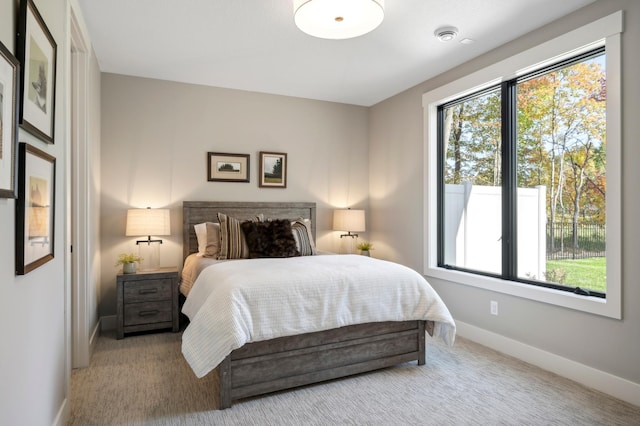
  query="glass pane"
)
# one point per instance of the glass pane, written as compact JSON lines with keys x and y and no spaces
{"x":561,"y":174}
{"x":473,"y":196}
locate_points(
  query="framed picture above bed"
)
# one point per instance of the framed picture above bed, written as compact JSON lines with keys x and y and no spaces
{"x":273,"y":170}
{"x":36,"y":51}
{"x":34,"y":208}
{"x":227,"y":167}
{"x":9,"y":70}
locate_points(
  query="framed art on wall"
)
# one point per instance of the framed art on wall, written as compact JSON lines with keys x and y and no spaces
{"x":9,"y":70}
{"x":35,"y":208}
{"x":227,"y":167}
{"x":273,"y":170}
{"x":36,"y":51}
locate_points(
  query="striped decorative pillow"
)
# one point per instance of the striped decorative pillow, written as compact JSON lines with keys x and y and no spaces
{"x":232,"y":241}
{"x":301,"y":229}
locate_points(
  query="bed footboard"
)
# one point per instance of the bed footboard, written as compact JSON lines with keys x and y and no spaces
{"x":287,"y":362}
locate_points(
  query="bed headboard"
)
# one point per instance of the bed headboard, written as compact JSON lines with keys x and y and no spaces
{"x":194,"y":212}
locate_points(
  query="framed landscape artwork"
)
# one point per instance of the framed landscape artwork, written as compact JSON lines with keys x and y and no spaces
{"x":35,"y":208}
{"x":227,"y":167}
{"x":9,"y":69}
{"x":273,"y":170}
{"x":36,"y":51}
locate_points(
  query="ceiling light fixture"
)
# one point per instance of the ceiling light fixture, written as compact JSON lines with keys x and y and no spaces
{"x":445,"y":34}
{"x":338,"y":19}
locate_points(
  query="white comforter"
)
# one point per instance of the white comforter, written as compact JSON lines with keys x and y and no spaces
{"x":233,"y":303}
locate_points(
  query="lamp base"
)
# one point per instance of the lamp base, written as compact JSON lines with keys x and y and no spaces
{"x":149,"y":251}
{"x":347,"y":245}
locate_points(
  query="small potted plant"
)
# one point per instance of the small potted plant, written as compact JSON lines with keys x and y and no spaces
{"x":365,"y":247}
{"x":128,"y":262}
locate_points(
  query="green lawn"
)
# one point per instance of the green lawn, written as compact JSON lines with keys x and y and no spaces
{"x":588,"y":273}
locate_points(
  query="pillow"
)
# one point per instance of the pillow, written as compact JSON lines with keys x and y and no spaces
{"x":201,"y":236}
{"x":301,"y":229}
{"x":270,"y":239}
{"x":208,"y":236}
{"x":232,"y":241}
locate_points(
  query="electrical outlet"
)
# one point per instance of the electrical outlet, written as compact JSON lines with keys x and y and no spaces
{"x":494,"y":307}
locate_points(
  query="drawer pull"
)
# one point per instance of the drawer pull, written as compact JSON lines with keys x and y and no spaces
{"x":148,"y":291}
{"x":148,"y":313}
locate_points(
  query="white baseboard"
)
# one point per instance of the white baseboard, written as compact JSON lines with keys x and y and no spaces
{"x":108,"y":322}
{"x":94,"y":337}
{"x":604,"y":382}
{"x":64,"y":413}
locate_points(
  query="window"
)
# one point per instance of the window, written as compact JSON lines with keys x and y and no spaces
{"x":522,"y":170}
{"x":522,"y":178}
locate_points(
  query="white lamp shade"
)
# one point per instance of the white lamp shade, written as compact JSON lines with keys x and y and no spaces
{"x":348,"y":220}
{"x":338,"y":19}
{"x":148,"y":222}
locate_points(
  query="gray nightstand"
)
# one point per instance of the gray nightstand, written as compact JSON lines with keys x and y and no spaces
{"x":147,"y":301}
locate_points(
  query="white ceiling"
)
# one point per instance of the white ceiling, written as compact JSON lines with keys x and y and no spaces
{"x":254,"y":44}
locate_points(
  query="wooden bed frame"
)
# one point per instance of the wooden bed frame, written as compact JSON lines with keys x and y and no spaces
{"x":286,"y":362}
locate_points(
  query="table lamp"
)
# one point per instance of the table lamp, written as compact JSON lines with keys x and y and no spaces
{"x":148,"y":222}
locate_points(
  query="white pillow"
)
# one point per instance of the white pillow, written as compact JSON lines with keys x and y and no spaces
{"x":208,"y":236}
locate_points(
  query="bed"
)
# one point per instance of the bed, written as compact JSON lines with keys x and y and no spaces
{"x":268,"y":362}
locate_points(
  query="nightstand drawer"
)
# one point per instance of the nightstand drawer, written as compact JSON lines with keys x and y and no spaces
{"x":148,"y":312}
{"x":147,"y":291}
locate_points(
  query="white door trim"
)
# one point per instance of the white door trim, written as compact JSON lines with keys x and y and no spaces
{"x":81,"y":290}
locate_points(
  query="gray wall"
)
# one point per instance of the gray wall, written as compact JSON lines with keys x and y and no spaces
{"x":155,"y":139}
{"x":396,"y":190}
{"x":33,"y":357}
{"x":34,"y":308}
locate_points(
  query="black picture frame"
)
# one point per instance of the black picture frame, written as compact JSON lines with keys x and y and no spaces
{"x":36,"y":50}
{"x":9,"y":99}
{"x":273,"y":170}
{"x":35,"y":208}
{"x":224,"y":167}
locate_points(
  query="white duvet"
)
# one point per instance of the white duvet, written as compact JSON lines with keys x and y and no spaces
{"x":233,"y":303}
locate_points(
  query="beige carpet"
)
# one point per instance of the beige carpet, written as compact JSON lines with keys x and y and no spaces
{"x":144,"y":380}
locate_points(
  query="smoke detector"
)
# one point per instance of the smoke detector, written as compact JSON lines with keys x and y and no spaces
{"x":445,"y":34}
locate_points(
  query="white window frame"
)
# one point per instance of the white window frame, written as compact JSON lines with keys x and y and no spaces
{"x":603,"y":32}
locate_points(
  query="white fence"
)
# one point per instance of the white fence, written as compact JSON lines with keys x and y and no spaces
{"x":473,"y":229}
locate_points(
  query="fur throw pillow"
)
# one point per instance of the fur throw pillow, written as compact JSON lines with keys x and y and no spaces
{"x":270,"y":239}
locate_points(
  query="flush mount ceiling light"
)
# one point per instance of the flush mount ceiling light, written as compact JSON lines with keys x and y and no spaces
{"x":338,"y":19}
{"x":445,"y":34}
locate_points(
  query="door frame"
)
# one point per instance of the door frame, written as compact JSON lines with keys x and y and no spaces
{"x":82,"y":292}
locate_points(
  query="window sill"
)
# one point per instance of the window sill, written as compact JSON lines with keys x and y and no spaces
{"x":609,"y":307}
